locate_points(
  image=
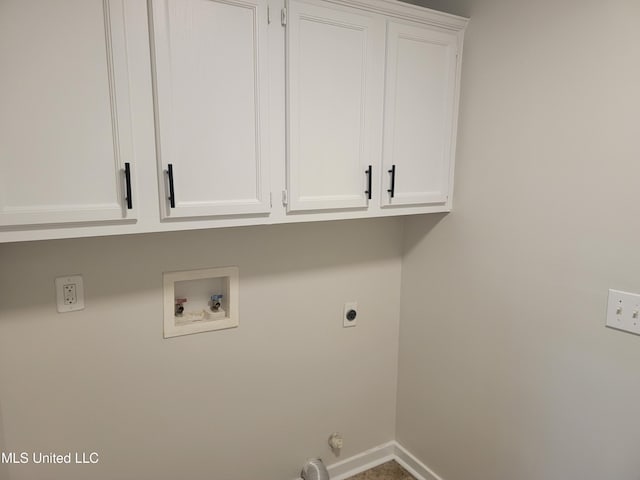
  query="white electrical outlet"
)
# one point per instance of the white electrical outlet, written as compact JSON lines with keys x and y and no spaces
{"x":350,"y":314}
{"x":69,"y":293}
{"x":623,"y":310}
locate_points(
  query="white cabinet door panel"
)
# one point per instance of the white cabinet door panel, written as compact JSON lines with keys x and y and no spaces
{"x":335,"y":72}
{"x":419,"y":109}
{"x":210,"y":105}
{"x":65,"y":122}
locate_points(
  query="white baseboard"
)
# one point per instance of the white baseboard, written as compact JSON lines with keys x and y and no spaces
{"x":363,"y":461}
{"x":378,"y":455}
{"x":414,"y":466}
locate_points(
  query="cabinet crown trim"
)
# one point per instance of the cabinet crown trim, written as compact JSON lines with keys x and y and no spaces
{"x":408,"y":12}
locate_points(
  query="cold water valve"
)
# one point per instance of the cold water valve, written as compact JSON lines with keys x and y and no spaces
{"x":216,"y":302}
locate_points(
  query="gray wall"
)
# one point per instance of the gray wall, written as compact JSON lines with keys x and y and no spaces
{"x":455,"y":7}
{"x":251,"y":402}
{"x":506,"y":369}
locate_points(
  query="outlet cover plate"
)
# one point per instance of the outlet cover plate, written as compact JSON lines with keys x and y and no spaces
{"x":70,"y":305}
{"x":623,"y":311}
{"x":348,"y":306}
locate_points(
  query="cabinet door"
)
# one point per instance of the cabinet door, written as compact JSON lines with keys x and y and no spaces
{"x":210,"y":106}
{"x":419,"y":114}
{"x":335,"y":72}
{"x":65,"y":126}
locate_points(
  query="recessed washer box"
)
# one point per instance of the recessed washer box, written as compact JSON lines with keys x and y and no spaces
{"x":198,"y":301}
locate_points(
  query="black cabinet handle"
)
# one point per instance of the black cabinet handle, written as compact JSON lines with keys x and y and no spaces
{"x":368,"y":190}
{"x":127,"y":180}
{"x":172,"y":196}
{"x":392,"y":190}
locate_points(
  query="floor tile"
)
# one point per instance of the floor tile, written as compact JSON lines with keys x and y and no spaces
{"x":387,"y":471}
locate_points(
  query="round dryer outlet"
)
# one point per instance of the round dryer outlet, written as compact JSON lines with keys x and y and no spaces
{"x":350,"y":314}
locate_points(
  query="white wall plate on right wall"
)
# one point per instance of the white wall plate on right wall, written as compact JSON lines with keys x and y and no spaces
{"x":623,"y":310}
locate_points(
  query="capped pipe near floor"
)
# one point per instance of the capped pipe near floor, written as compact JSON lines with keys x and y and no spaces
{"x":314,"y":469}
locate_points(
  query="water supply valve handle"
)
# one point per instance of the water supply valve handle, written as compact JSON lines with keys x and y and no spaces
{"x":179,"y":305}
{"x":216,"y":302}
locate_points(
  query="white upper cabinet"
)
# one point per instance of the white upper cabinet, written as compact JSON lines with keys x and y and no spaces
{"x":134,"y":116}
{"x":65,"y":122}
{"x":420,"y":102}
{"x":335,"y":73}
{"x":210,"y":99}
